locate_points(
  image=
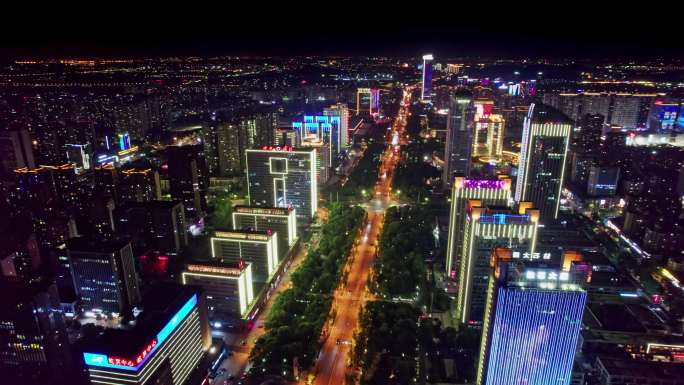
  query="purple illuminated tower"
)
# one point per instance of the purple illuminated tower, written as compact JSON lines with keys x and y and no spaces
{"x":427,"y":78}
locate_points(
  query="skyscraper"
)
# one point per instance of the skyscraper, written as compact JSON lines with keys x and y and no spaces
{"x":486,"y":228}
{"x":488,"y":192}
{"x":543,"y":153}
{"x":459,"y":139}
{"x":138,"y":185}
{"x":35,"y":347}
{"x":165,"y":346}
{"x":367,"y":99}
{"x":260,"y":248}
{"x":228,"y":287}
{"x":426,"y":90}
{"x":15,"y":145}
{"x":532,"y":322}
{"x":188,"y":178}
{"x":104,"y":275}
{"x":156,"y":225}
{"x":341,"y":111}
{"x":489,"y":130}
{"x":283,"y":177}
{"x":282,"y":221}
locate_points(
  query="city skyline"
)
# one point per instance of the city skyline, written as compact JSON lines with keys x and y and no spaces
{"x":487,"y":202}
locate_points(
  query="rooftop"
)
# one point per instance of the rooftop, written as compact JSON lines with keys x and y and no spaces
{"x":543,"y":113}
{"x":645,"y":369}
{"x":160,"y":303}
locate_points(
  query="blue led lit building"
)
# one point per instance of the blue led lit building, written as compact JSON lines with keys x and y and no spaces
{"x":484,"y":229}
{"x":167,"y":345}
{"x":327,"y":130}
{"x":532,"y":323}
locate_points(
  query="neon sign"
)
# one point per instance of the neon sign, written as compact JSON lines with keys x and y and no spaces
{"x":102,"y":360}
{"x":278,"y":148}
{"x":483,"y":183}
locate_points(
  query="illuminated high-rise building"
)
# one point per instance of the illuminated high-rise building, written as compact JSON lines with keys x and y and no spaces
{"x":35,"y":346}
{"x":488,"y":192}
{"x":486,"y":228}
{"x":543,"y":153}
{"x":283,"y":177}
{"x":188,"y":177}
{"x":17,"y":150}
{"x":139,"y":185}
{"x":228,"y":288}
{"x":159,"y":226}
{"x":367,"y":99}
{"x":104,"y":275}
{"x":167,"y":344}
{"x":532,"y":323}
{"x":459,"y":139}
{"x":341,"y":111}
{"x":489,"y":130}
{"x":426,"y":90}
{"x":282,"y":221}
{"x":260,"y":248}
{"x":80,"y":156}
{"x":286,"y":136}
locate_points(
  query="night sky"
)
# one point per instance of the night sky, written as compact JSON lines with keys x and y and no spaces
{"x":449,"y":32}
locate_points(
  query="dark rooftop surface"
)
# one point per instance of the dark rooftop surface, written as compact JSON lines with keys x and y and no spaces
{"x":543,"y":113}
{"x":645,"y":369}
{"x":160,"y":303}
{"x":86,"y":244}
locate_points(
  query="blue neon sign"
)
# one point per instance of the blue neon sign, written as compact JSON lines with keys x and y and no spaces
{"x":102,"y":360}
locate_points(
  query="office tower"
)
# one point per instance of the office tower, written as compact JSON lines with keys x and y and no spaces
{"x":265,"y":123}
{"x":260,"y":248}
{"x":603,"y":180}
{"x":95,"y":215}
{"x":138,"y":185}
{"x":324,"y":133}
{"x":286,"y":136}
{"x":281,"y":221}
{"x":323,"y":165}
{"x":166,"y":345}
{"x":106,"y":180}
{"x":230,"y":150}
{"x":35,"y":347}
{"x":342,"y":112}
{"x":283,"y":177}
{"x":586,"y":146}
{"x":489,"y":130}
{"x":15,"y":145}
{"x":486,"y":228}
{"x":543,"y":153}
{"x":627,"y":110}
{"x":459,"y":139}
{"x":426,"y":90}
{"x":21,"y":257}
{"x":587,"y":136}
{"x":38,"y":186}
{"x":156,"y":225}
{"x":488,"y":192}
{"x":104,"y":275}
{"x":367,"y":99}
{"x":663,"y":115}
{"x":532,"y":324}
{"x":45,"y":195}
{"x":80,"y":156}
{"x":228,"y":288}
{"x":188,"y":178}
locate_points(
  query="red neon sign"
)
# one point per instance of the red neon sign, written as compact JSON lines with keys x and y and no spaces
{"x":137,"y":360}
{"x":277,"y":148}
